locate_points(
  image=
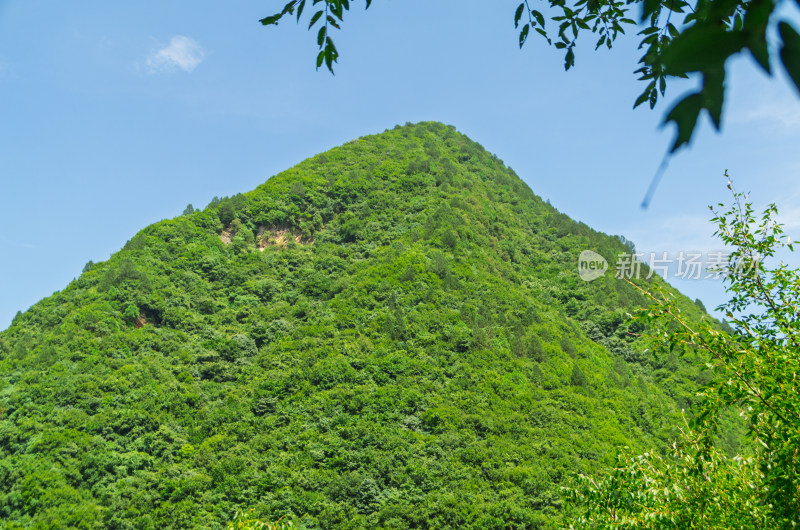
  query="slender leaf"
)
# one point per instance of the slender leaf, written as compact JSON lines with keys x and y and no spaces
{"x":314,"y":18}
{"x":644,"y":96}
{"x":523,"y":35}
{"x":518,"y":14}
{"x":569,"y":59}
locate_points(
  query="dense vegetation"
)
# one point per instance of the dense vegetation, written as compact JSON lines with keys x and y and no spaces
{"x":390,"y":334}
{"x":695,"y":485}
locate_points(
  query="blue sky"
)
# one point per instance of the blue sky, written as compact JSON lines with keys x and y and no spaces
{"x":116,"y":115}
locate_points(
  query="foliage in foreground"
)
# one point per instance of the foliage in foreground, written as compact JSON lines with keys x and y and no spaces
{"x":679,"y":37}
{"x":694,"y":485}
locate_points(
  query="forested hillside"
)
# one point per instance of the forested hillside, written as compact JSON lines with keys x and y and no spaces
{"x":391,"y":334}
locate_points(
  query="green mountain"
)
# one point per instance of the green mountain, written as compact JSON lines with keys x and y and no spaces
{"x":392,"y":334}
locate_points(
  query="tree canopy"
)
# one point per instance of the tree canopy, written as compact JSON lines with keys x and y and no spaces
{"x":679,"y":39}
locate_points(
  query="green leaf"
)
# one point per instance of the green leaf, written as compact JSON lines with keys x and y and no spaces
{"x":300,"y":9}
{"x":701,"y":47}
{"x":756,"y":20}
{"x":569,"y":59}
{"x":790,"y":51}
{"x":289,"y":7}
{"x":644,"y":96}
{"x":523,"y":35}
{"x":335,"y":8}
{"x":714,"y":93}
{"x":757,"y":15}
{"x":314,"y":18}
{"x":685,"y":114}
{"x":649,"y":7}
{"x":600,"y":41}
{"x":673,"y":31}
{"x":676,"y":6}
{"x":650,"y":39}
{"x":271,"y":20}
{"x":543,"y":33}
{"x":329,"y":44}
{"x":518,"y":14}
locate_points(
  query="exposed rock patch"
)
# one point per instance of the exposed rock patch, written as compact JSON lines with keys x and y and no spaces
{"x":280,"y":237}
{"x":266,"y":237}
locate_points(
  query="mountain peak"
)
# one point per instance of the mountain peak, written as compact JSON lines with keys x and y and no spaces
{"x":390,"y":334}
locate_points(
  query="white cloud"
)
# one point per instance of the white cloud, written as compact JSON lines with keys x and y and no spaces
{"x":16,"y":243}
{"x":673,"y":234}
{"x":181,"y":53}
{"x":784,"y":114}
{"x":790,"y":219}
{"x":768,"y":103}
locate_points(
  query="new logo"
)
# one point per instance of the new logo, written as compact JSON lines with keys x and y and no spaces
{"x":591,"y":265}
